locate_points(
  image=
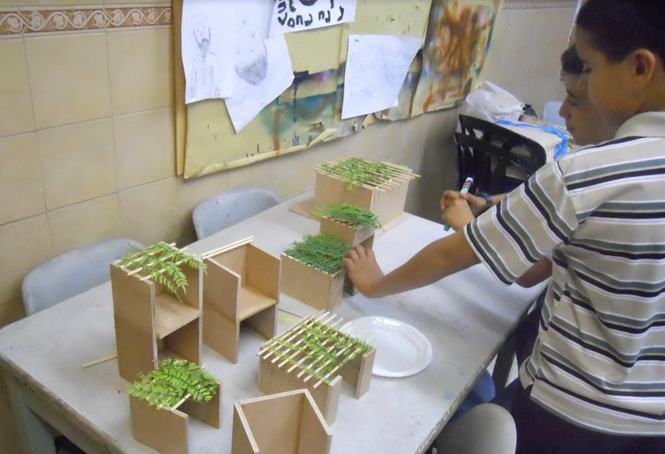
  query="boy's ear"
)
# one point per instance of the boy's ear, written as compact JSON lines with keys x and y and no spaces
{"x":643,"y":64}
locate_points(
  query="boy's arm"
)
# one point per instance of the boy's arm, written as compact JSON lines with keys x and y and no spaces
{"x":435,"y":261}
{"x":536,"y":274}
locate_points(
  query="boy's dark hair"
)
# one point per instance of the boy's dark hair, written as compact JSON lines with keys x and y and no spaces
{"x":571,"y":62}
{"x":619,"y":27}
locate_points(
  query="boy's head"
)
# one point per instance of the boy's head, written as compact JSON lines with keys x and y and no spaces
{"x":582,"y":119}
{"x":622,"y":45}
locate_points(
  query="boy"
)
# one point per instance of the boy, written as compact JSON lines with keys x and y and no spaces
{"x":596,"y":379}
{"x":582,"y":121}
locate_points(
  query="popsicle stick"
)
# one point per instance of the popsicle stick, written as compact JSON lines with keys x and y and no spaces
{"x":99,"y":361}
{"x":228,"y":247}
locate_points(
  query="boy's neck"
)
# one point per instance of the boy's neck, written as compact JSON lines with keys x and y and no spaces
{"x":654,"y":94}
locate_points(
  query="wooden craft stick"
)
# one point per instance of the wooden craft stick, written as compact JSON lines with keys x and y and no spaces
{"x":136,"y":270}
{"x":293,"y":335}
{"x":180,"y":402}
{"x":296,"y":334}
{"x":337,"y":177}
{"x":335,"y":369}
{"x":137,"y":256}
{"x":267,"y":345}
{"x":99,"y":361}
{"x":228,"y":247}
{"x":290,"y":313}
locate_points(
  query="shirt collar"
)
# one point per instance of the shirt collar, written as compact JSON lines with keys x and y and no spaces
{"x":649,"y":124}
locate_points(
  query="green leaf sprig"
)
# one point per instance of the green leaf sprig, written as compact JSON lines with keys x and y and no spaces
{"x":361,"y":172}
{"x":354,"y":217}
{"x":162,"y":262}
{"x":174,"y":380}
{"x":321,"y":252}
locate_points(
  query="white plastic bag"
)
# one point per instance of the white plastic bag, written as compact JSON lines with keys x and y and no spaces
{"x":491,"y":102}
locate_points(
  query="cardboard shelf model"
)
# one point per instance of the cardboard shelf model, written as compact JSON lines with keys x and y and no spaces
{"x":241,"y":284}
{"x":385,"y":196}
{"x":285,"y":423}
{"x":151,"y":322}
{"x":350,"y":235}
{"x":294,"y":361}
{"x":312,"y":286}
{"x":164,"y":428}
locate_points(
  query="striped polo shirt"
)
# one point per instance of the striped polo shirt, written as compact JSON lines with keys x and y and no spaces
{"x":599,"y":360}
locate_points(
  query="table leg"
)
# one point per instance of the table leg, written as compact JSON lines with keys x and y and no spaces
{"x":35,"y":434}
{"x":503,"y":364}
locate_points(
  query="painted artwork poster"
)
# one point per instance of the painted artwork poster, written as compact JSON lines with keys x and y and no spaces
{"x":207,"y":58}
{"x":458,"y":38}
{"x":262,"y":65}
{"x":297,"y":15}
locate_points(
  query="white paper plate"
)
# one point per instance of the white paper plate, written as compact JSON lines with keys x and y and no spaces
{"x":401,"y":350}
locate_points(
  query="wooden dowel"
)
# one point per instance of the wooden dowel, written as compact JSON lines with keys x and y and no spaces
{"x":137,"y":256}
{"x":180,"y":402}
{"x":290,"y":313}
{"x":293,"y":334}
{"x":228,"y":247}
{"x":136,"y":270}
{"x":267,"y":345}
{"x":99,"y":361}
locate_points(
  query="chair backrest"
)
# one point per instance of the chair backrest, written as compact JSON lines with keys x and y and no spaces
{"x":495,"y":170}
{"x":230,"y":208}
{"x":72,"y":273}
{"x":519,"y":153}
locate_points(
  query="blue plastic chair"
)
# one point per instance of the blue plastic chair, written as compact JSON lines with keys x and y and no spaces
{"x":72,"y":273}
{"x":229,"y":208}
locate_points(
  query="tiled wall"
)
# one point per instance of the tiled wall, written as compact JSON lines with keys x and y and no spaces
{"x":86,"y":129}
{"x":86,"y":137}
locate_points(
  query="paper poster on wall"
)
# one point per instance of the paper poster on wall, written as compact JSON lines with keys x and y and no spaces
{"x":297,"y":15}
{"x":376,"y":66}
{"x":458,"y":38}
{"x":207,"y":58}
{"x":262,"y":65}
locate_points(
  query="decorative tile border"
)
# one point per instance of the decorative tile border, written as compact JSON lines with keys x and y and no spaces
{"x":67,"y":20}
{"x":530,"y":4}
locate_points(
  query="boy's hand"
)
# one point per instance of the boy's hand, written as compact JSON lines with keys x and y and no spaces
{"x":456,"y":211}
{"x":363,"y":271}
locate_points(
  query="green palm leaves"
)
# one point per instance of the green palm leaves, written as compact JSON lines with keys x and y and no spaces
{"x":173,"y":381}
{"x":162,"y":262}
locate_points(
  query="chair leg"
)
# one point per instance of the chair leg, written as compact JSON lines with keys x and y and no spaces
{"x":504,"y":361}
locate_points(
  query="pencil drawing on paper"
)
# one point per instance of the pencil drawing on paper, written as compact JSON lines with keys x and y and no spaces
{"x":205,"y":74}
{"x":251,"y":56}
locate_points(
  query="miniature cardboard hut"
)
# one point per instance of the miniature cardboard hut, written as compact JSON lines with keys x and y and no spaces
{"x":318,"y":284}
{"x":241,"y":285}
{"x":164,"y":427}
{"x":151,"y":322}
{"x":349,"y":224}
{"x":316,"y":356}
{"x":377,"y":187}
{"x":286,"y":423}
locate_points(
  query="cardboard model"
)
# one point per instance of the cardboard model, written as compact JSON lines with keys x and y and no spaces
{"x":316,"y":356}
{"x":151,"y":323}
{"x":241,"y":285}
{"x":286,"y":423}
{"x":384,"y":196}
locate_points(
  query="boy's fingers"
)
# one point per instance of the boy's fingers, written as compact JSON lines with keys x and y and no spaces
{"x":348,"y":264}
{"x":352,"y":255}
{"x":360,"y":251}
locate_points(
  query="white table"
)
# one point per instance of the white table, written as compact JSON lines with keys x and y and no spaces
{"x":466,"y":317}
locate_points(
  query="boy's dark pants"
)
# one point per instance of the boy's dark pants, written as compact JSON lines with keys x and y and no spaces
{"x":540,"y":432}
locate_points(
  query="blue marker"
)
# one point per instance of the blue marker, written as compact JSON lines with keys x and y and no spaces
{"x":465,"y":188}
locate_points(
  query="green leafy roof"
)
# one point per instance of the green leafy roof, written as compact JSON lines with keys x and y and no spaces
{"x":174,"y":380}
{"x":354,"y":217}
{"x":321,"y":252}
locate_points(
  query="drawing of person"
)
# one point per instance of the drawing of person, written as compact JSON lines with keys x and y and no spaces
{"x":251,"y":56}
{"x":205,"y":75}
